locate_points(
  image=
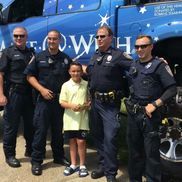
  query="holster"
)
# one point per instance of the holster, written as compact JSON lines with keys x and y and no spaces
{"x":133,"y":108}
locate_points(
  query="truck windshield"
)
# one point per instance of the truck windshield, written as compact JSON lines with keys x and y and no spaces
{"x":22,"y":9}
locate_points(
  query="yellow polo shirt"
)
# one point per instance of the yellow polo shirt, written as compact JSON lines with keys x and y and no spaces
{"x":76,"y":93}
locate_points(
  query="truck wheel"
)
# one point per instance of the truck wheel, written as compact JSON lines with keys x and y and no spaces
{"x":171,"y":148}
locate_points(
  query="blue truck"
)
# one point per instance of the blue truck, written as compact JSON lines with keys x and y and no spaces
{"x":78,"y":21}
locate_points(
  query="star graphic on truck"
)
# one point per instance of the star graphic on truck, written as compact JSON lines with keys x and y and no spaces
{"x":142,"y":9}
{"x":104,"y":20}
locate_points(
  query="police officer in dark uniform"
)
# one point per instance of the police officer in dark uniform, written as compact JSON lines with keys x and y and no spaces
{"x":152,"y":85}
{"x":46,"y":73}
{"x":16,"y":95}
{"x":105,"y":72}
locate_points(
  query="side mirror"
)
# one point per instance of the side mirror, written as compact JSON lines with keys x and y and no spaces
{"x":1,"y":6}
{"x":1,"y":13}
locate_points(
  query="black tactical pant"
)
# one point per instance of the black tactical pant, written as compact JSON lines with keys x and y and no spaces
{"x":47,"y":113}
{"x":19,"y":105}
{"x":104,"y":129}
{"x":143,"y":144}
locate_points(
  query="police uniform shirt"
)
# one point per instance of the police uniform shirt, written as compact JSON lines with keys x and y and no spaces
{"x":153,"y":83}
{"x":50,"y":70}
{"x":13,"y":62}
{"x":105,"y":70}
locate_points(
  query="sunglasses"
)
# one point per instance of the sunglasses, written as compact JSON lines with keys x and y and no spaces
{"x":101,"y":36}
{"x":20,"y":36}
{"x":144,"y":46}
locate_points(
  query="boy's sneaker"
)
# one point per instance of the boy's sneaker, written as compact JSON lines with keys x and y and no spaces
{"x":83,"y":172}
{"x":68,"y":171}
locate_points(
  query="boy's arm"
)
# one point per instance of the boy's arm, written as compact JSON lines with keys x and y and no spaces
{"x":71,"y":106}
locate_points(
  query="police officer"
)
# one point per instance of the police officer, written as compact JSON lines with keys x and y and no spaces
{"x":105,"y":72}
{"x":15,"y":95}
{"x":152,"y":85}
{"x":46,"y":73}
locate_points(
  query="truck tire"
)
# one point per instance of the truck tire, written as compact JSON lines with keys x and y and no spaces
{"x":171,"y":148}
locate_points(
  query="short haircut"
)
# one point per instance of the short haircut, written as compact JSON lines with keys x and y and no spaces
{"x":76,"y":63}
{"x":23,"y":28}
{"x":109,"y":30}
{"x":55,"y":31}
{"x":145,"y":36}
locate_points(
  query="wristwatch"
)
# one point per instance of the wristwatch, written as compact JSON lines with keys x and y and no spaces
{"x":154,"y":104}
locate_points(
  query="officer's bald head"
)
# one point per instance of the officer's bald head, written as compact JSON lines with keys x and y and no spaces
{"x":57,"y":32}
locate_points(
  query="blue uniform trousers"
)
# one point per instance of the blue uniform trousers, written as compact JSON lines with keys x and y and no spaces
{"x":143,"y":143}
{"x":47,"y":113}
{"x":104,"y":128}
{"x":19,"y":105}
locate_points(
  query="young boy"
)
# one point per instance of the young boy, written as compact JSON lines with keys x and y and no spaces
{"x":74,"y":98}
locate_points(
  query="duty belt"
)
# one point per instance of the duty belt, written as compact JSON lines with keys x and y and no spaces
{"x":111,"y":96}
{"x":20,"y":88}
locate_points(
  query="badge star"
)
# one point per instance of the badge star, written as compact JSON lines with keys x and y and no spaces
{"x":143,"y":10}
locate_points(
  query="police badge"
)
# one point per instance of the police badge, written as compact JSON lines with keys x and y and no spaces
{"x":109,"y":58}
{"x":50,"y":61}
{"x":147,"y":66}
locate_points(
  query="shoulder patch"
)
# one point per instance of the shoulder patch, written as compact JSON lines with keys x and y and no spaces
{"x":127,"y":55}
{"x":168,"y":69}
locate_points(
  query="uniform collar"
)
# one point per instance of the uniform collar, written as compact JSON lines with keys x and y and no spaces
{"x":47,"y":53}
{"x":16,"y":48}
{"x":109,"y":51}
{"x":146,"y":62}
